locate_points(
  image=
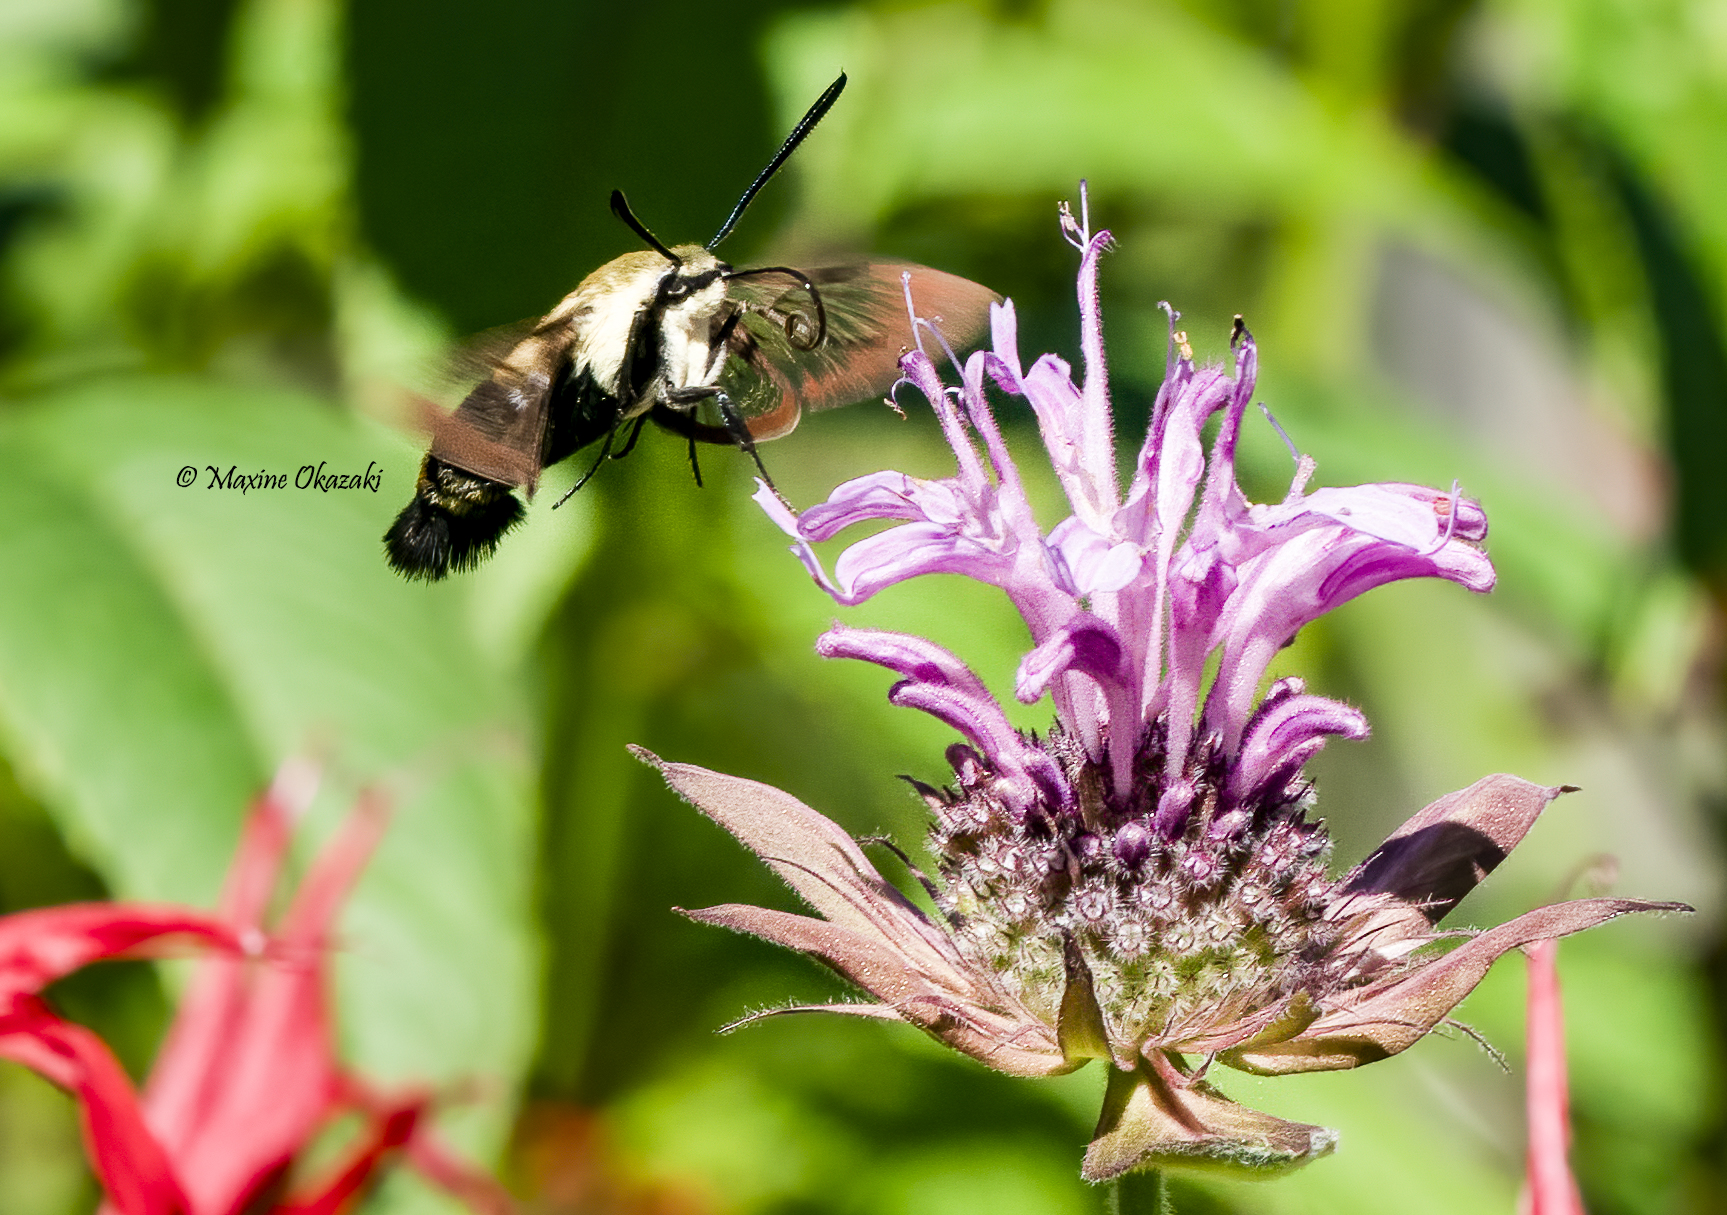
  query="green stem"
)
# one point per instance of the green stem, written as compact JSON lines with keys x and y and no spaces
{"x":1143,"y":1193}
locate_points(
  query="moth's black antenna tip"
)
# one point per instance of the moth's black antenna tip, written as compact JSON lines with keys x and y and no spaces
{"x":805,"y":125}
{"x":621,"y":209}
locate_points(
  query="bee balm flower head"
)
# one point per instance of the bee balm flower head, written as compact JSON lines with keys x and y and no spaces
{"x":1144,"y":884}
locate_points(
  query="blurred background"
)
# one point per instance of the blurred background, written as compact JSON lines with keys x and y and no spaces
{"x":1479,"y":240}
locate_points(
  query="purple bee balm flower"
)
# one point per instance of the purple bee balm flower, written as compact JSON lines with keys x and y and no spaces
{"x":1142,"y":885}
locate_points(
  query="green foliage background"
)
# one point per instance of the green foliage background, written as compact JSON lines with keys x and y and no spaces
{"x":1482,"y":240}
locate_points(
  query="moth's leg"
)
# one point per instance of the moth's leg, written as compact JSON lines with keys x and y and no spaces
{"x":741,"y":432}
{"x":679,"y":422}
{"x":735,"y":427}
{"x":592,"y":469}
{"x":695,"y":465}
{"x":630,"y":443}
{"x":662,"y":413}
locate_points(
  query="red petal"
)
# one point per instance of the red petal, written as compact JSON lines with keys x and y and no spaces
{"x":456,"y":1177}
{"x":191,"y":1059}
{"x":1551,"y":1188}
{"x":332,"y":876}
{"x":131,"y":1165}
{"x":264,"y":844}
{"x":427,"y":1153}
{"x":37,"y":947}
{"x":391,"y":1128}
{"x":248,"y":1074}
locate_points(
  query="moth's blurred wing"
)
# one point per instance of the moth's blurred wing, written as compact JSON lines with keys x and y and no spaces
{"x":499,"y":430}
{"x":868,"y":329}
{"x":479,"y":355}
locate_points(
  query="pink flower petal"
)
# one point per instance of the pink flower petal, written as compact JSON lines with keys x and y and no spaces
{"x":1552,"y":1190}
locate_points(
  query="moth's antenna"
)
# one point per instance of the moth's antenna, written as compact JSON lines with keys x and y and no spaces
{"x":621,"y":209}
{"x":806,"y":124}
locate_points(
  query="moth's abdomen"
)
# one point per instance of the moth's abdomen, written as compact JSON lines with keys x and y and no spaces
{"x":454,"y":522}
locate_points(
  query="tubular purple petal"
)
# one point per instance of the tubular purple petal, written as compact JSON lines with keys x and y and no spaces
{"x":1004,"y":342}
{"x":1299,"y":580}
{"x":1009,"y":500}
{"x":923,"y":376}
{"x":1174,"y":805}
{"x":1088,"y":645}
{"x":781,"y":514}
{"x":1096,"y":426}
{"x":883,"y":495}
{"x":913,"y":657}
{"x":1283,"y":735}
{"x":1086,"y":563}
{"x":913,"y":549}
{"x":1185,"y":569}
{"x":1028,"y":776}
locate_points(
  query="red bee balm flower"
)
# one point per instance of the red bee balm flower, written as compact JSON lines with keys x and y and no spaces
{"x":248,"y":1075}
{"x":37,"y":947}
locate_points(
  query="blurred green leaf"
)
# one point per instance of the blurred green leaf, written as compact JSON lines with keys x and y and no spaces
{"x":40,"y":1171}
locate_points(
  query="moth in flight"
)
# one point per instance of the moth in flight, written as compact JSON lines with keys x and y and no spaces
{"x":672,"y":335}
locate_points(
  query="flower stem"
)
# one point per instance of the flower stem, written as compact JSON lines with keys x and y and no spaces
{"x":1145,"y":1193}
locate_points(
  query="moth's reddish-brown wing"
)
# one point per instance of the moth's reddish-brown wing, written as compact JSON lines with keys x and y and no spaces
{"x":495,"y":434}
{"x":868,"y":329}
{"x":499,"y":430}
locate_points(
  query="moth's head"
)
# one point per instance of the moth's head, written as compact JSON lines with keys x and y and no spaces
{"x":697,"y":278}
{"x":629,"y":281}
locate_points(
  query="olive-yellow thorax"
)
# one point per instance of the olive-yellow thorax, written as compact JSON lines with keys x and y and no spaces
{"x":601,"y":323}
